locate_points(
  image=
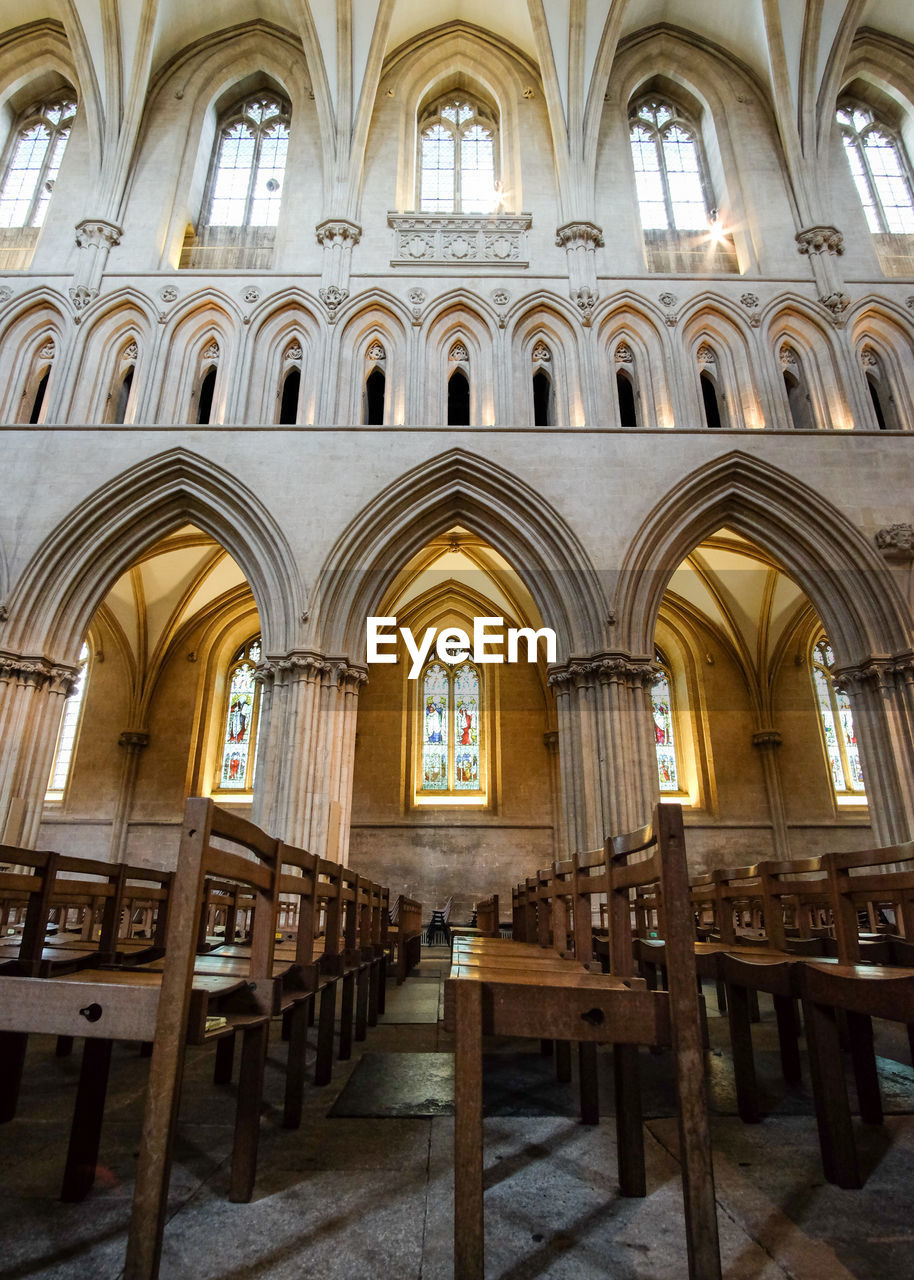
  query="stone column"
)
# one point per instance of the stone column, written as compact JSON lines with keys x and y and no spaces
{"x":823,"y":246}
{"x":580,"y":240}
{"x":337,"y":237}
{"x":306,"y":747}
{"x":881,"y":693}
{"x":607,"y":764}
{"x":134,"y":742}
{"x":96,"y":237}
{"x":767,"y":742}
{"x":32,"y":696}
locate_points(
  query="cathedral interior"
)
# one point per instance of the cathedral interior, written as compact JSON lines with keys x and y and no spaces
{"x":593,"y":317}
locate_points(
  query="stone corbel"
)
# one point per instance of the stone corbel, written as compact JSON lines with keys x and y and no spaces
{"x":767,"y":739}
{"x":97,"y":237}
{"x":337,"y":237}
{"x":897,"y":543}
{"x":580,"y":240}
{"x":823,"y":246}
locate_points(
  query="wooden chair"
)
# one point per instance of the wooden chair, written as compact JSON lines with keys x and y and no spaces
{"x":505,"y":993}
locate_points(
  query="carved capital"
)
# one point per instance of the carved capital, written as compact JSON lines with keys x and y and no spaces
{"x":767,"y":739}
{"x":133,"y":739}
{"x":820,"y":240}
{"x":605,"y":668}
{"x":579,"y":235}
{"x":38,"y":672}
{"x":96,"y":233}
{"x":896,"y":542}
{"x":337,"y":231}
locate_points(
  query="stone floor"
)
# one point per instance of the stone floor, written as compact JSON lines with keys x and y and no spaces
{"x":349,"y":1197}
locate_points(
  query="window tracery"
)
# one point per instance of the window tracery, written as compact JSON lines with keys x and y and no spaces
{"x":249,"y":163}
{"x":880,"y":169}
{"x":239,"y":720}
{"x":669,"y":168}
{"x":451,"y":745}
{"x":39,"y":140}
{"x":840,"y":739}
{"x":458,"y":157}
{"x":69,"y":725}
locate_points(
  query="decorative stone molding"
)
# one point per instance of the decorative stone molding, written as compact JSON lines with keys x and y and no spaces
{"x":211,"y":352}
{"x":501,"y":297}
{"x":623,"y":354}
{"x":751,"y":303}
{"x":97,"y":233}
{"x":585,"y":299}
{"x":81,"y":295}
{"x":131,"y":351}
{"x":418,"y":299}
{"x":5,"y":294}
{"x":551,"y":741}
{"x":896,"y":542}
{"x":579,"y":235}
{"x":38,"y":672}
{"x":48,"y":351}
{"x":667,"y":300}
{"x":337,"y":232}
{"x":788,"y":356}
{"x":133,"y":739}
{"x":868,"y":358}
{"x":376,"y":351}
{"x":169,"y":293}
{"x":836,"y":303}
{"x":252,"y":295}
{"x":333,"y":298}
{"x":705,"y":354}
{"x":294,"y":352}
{"x":767,"y":739}
{"x":605,"y":669}
{"x":909,"y":303}
{"x":308,"y":665}
{"x":820,"y":240}
{"x":459,"y":353}
{"x":541,"y":353}
{"x":455,"y":239}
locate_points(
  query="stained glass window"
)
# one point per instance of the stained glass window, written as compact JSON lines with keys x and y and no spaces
{"x":239,"y":726}
{"x":39,"y":142}
{"x":662,"y":707}
{"x":841,"y":748}
{"x":451,"y":743}
{"x":457,"y":158}
{"x":250,"y":165}
{"x":880,"y":170}
{"x":66,"y":737}
{"x":668,"y":169}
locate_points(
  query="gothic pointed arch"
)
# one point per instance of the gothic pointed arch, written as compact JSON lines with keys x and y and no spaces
{"x":459,"y":488}
{"x":841,"y":573}
{"x":68,"y":575}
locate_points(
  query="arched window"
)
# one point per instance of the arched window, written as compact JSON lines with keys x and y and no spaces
{"x":66,"y":736}
{"x":375,"y":392}
{"x":669,"y":168}
{"x":204,"y":393}
{"x":38,"y":142}
{"x":543,"y":389}
{"x":249,"y":164}
{"x":120,"y":406}
{"x":451,"y":747}
{"x":625,"y":385}
{"x":34,"y":404}
{"x":795,"y":386}
{"x":458,"y":386}
{"x":707,"y":378}
{"x":664,"y":738}
{"x":880,"y":170}
{"x":239,"y":720}
{"x":458,"y":157}
{"x":841,"y":750}
{"x":881,"y":397}
{"x":288,"y":405}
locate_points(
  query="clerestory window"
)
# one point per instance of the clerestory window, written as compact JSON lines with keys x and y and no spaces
{"x":458,"y":157}
{"x":880,"y":169}
{"x":249,"y":164}
{"x":39,"y":140}
{"x":669,"y":168}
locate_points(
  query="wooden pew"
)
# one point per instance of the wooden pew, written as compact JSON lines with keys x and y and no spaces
{"x":405,"y":932}
{"x":509,"y":988}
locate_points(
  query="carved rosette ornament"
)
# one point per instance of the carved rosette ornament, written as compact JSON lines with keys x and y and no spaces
{"x":5,"y":294}
{"x":896,"y":542}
